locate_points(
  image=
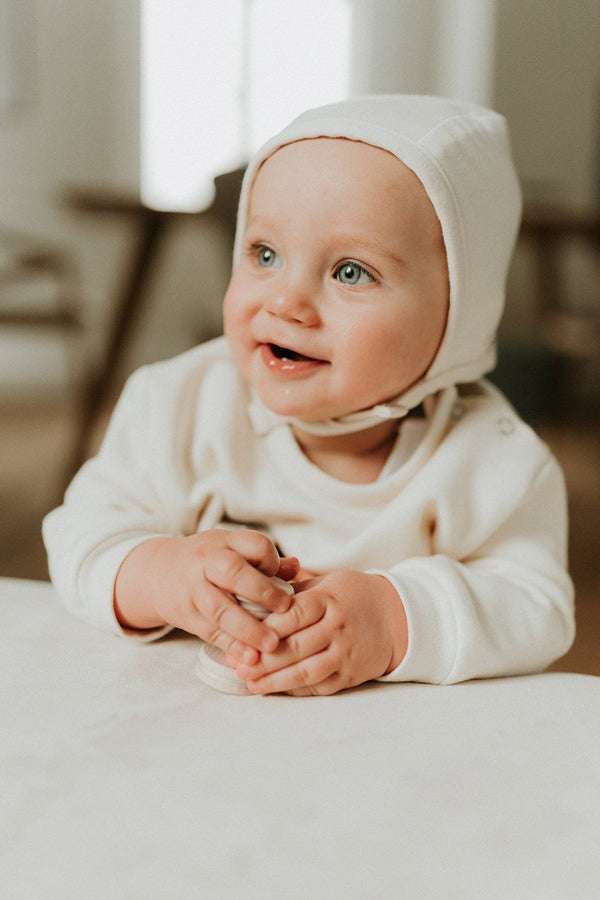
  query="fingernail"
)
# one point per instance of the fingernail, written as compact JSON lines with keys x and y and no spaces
{"x":285,"y":600}
{"x":249,"y":656}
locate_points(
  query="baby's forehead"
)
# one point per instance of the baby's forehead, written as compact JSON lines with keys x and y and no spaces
{"x":346,"y":169}
{"x":333,"y":149}
{"x":345,"y":159}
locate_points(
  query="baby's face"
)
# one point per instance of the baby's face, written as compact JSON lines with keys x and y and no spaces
{"x":340,"y":296}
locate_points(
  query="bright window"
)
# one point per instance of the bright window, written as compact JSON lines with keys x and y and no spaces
{"x":218,"y":78}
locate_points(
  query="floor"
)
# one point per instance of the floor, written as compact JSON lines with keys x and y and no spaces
{"x":34,"y":446}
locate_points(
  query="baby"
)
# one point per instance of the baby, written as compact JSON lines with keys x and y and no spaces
{"x":339,"y":435}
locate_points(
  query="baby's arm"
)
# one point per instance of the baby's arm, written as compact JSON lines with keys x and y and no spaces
{"x":505,"y":609}
{"x":130,"y":550}
{"x":343,"y":629}
{"x":189,"y":582}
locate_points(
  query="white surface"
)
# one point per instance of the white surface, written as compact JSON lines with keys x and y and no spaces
{"x":123,"y":776}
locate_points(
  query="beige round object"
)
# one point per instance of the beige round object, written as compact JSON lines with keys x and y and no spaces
{"x":211,"y":667}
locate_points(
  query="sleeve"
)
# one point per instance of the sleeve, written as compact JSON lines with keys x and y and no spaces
{"x":116,"y":501}
{"x":507,"y":609}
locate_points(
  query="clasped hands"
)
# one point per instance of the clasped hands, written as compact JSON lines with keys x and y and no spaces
{"x":339,"y":630}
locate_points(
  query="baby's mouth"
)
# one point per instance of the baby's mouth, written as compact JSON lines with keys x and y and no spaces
{"x":290,"y":355}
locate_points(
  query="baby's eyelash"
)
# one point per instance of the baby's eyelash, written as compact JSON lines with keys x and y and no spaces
{"x":348,"y":268}
{"x":263,"y":255}
{"x":256,"y":246}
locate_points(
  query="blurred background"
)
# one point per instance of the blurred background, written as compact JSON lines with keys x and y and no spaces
{"x":124,"y":129}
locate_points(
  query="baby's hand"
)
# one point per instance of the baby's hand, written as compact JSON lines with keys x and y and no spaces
{"x":342,"y":629}
{"x":191,"y":583}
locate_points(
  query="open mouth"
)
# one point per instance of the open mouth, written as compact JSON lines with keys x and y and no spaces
{"x":289,"y":355}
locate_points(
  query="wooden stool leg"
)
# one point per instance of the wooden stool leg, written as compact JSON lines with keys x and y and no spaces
{"x":98,"y":389}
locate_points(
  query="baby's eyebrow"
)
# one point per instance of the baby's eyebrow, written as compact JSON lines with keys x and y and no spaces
{"x":357,"y":244}
{"x":370,"y":246}
{"x":259,"y":221}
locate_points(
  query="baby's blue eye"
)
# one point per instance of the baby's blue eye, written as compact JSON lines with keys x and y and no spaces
{"x":267,"y":257}
{"x":352,"y":273}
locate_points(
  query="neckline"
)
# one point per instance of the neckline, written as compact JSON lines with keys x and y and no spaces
{"x":285,"y":447}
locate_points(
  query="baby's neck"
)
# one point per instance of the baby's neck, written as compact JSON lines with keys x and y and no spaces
{"x":356,"y":458}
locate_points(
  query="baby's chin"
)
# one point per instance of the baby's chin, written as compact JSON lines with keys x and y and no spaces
{"x":306,"y":410}
{"x":300,"y":414}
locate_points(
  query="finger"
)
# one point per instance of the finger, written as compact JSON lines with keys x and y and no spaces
{"x":240,"y":654}
{"x":257,"y":548}
{"x":231,"y":572}
{"x":325,"y":688}
{"x":303,"y":575}
{"x":221,"y":621}
{"x":307,"y":608}
{"x":301,"y":675}
{"x":289,"y":568}
{"x":300,"y":646}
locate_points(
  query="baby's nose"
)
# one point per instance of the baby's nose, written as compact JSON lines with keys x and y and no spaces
{"x":295,"y":304}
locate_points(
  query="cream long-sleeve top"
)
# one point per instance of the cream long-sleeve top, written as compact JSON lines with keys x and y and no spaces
{"x":467,"y":521}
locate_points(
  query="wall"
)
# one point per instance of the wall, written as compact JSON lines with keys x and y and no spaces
{"x":435,"y":46}
{"x":80,"y":129}
{"x":77,"y":127}
{"x":537,"y":61}
{"x":547,"y":82}
{"x":80,"y":125}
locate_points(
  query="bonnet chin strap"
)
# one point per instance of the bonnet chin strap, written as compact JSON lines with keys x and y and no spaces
{"x":264,"y":420}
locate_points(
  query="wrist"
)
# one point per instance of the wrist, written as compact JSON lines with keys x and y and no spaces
{"x":135,"y":585}
{"x":396,"y":623}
